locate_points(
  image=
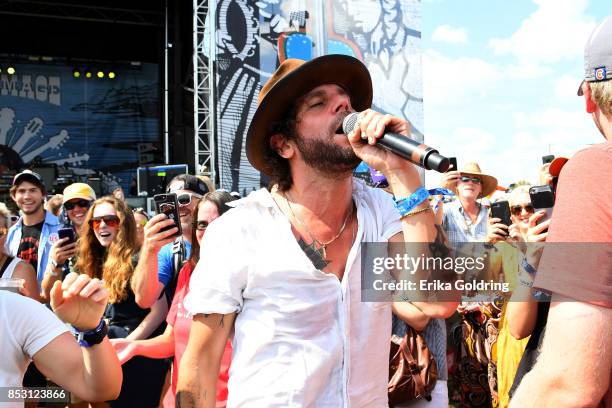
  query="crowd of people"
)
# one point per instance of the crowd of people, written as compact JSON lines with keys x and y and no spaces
{"x":258,"y":301}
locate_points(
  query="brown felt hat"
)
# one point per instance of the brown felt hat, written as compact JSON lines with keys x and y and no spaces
{"x":293,"y":79}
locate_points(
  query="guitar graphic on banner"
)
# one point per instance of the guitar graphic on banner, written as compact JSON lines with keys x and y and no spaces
{"x":73,"y":159}
{"x":54,"y":142}
{"x":31,"y":130}
{"x":299,"y":44}
{"x":7,"y":117}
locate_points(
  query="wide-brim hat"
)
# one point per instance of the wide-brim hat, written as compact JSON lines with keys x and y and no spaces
{"x":489,"y":183}
{"x":293,"y":79}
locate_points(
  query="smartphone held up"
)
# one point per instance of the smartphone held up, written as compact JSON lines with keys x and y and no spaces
{"x":168,"y":204}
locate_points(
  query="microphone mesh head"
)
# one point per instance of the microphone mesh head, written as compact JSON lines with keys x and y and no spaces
{"x":348,"y":124}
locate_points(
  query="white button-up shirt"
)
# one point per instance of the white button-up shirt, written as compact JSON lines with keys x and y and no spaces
{"x":302,"y":337}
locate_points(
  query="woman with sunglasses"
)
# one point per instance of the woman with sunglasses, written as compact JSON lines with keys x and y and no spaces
{"x":13,"y":267}
{"x":174,"y":340}
{"x":77,"y":199}
{"x":508,"y":262}
{"x":142,"y":218}
{"x":108,"y":251}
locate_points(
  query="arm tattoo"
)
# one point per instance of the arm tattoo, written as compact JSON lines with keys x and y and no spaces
{"x":439,"y":248}
{"x":185,"y":399}
{"x":221,"y":324}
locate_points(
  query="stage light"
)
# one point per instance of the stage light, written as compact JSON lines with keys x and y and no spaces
{"x":10,"y":70}
{"x":88,"y":73}
{"x":76,"y":73}
{"x":100,"y":74}
{"x":111,"y":75}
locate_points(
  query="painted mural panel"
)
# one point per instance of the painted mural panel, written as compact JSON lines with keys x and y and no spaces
{"x":49,"y":117}
{"x":252,"y":37}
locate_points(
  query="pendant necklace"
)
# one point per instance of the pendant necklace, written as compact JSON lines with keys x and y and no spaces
{"x":467,"y":229}
{"x":315,"y":251}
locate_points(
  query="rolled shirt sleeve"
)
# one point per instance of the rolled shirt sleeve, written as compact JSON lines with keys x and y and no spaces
{"x":220,"y":277}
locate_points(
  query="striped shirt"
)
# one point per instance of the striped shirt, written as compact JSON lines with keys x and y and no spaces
{"x":459,"y":227}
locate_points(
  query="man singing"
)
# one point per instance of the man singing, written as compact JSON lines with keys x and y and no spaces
{"x":283,"y":269}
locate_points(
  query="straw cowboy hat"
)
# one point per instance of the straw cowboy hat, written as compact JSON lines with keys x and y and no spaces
{"x":293,"y":79}
{"x":489,"y":183}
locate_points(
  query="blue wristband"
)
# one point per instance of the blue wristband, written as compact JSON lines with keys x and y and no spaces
{"x":528,"y":268}
{"x":405,"y":205}
{"x":91,"y":337}
{"x":441,"y":191}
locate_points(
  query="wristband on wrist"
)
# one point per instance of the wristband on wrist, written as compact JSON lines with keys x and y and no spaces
{"x":91,"y":337}
{"x":525,"y":283}
{"x":52,"y":273}
{"x":528,"y":268}
{"x":405,"y":205}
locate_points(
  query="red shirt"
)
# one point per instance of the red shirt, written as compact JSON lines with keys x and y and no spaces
{"x":577,"y":259}
{"x":180,"y":320}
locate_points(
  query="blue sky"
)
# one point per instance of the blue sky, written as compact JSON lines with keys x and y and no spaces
{"x":500,"y":81}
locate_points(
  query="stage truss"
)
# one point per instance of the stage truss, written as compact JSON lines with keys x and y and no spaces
{"x":204,"y":87}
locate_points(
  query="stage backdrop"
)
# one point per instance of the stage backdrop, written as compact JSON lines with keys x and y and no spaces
{"x":253,"y":36}
{"x":49,"y":117}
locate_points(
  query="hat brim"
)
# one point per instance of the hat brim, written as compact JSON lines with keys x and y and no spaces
{"x":79,"y":196}
{"x":348,"y":72}
{"x":556,"y":165}
{"x":489,"y":183}
{"x":31,"y":178}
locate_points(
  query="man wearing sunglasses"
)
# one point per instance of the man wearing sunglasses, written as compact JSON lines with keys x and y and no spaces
{"x":162,"y":253}
{"x":78,"y":197}
{"x":466,"y":219}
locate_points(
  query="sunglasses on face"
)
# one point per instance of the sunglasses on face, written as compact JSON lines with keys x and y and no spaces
{"x":185,"y":198}
{"x":518,"y":209}
{"x":200,"y":225}
{"x":110,"y":220}
{"x":466,"y":179}
{"x":81,"y":203}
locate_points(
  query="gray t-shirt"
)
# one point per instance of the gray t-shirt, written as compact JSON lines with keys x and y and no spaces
{"x":435,"y":337}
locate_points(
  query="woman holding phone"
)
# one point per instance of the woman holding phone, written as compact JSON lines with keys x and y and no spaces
{"x":174,"y":340}
{"x":108,"y":251}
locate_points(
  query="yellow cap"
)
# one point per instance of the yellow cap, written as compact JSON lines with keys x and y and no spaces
{"x":78,"y":190}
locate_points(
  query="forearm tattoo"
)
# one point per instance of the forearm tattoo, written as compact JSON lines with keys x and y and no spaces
{"x":185,"y":399}
{"x":439,"y":248}
{"x":221,"y":324}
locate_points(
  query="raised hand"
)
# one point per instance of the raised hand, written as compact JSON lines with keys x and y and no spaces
{"x":449,"y":180}
{"x":154,"y":237}
{"x":371,"y":126}
{"x":60,"y":252}
{"x":79,"y":300}
{"x":496,"y":231}
{"x":535,"y":238}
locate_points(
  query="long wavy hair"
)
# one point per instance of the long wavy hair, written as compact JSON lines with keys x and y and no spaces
{"x":113,"y":264}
